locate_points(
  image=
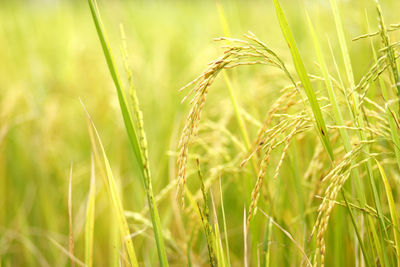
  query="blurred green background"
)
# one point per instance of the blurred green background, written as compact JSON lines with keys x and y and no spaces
{"x":50,"y":57}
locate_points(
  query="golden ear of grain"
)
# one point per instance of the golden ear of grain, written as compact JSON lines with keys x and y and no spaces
{"x":282,"y":104}
{"x":237,"y":53}
{"x":189,"y":131}
{"x":256,"y":191}
{"x":335,"y":180}
{"x":298,"y":127}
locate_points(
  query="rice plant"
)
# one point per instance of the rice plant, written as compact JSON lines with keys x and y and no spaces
{"x":209,"y":133}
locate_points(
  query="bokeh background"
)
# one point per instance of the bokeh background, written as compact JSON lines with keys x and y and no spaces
{"x":50,"y":57}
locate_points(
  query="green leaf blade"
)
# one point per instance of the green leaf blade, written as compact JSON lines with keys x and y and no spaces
{"x":133,"y":135}
{"x":302,"y":73}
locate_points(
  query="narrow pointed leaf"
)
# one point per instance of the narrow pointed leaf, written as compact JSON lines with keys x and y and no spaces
{"x":302,"y":73}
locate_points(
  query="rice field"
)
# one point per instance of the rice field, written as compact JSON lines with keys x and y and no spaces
{"x":199,"y":133}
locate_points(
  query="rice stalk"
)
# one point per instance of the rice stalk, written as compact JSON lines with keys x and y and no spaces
{"x":218,"y":243}
{"x":205,"y":219}
{"x":358,"y":119}
{"x":245,"y":231}
{"x":266,"y":252}
{"x":391,"y":57}
{"x":71,"y":233}
{"x":393,"y":212}
{"x":224,"y":225}
{"x":135,"y":130}
{"x":90,"y":216}
{"x":377,"y":242}
{"x":236,"y":108}
{"x":355,"y":174}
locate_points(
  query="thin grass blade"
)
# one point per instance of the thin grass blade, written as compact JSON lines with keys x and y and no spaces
{"x":393,"y":212}
{"x":246,"y":264}
{"x":224,"y":225}
{"x":90,"y":213}
{"x":289,"y":236}
{"x":114,"y":196}
{"x":302,"y":73}
{"x":71,"y":233}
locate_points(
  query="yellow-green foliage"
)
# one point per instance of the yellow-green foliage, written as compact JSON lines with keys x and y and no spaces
{"x":292,"y":115}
